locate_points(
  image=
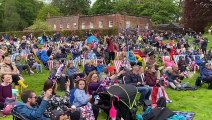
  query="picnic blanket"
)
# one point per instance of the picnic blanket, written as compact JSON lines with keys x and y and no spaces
{"x":182,"y":116}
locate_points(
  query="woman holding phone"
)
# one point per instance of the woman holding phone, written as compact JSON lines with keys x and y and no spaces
{"x":58,"y":106}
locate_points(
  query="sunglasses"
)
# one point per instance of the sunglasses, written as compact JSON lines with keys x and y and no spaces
{"x":35,"y":97}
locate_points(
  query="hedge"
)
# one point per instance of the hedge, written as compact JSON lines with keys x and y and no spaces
{"x":80,"y":33}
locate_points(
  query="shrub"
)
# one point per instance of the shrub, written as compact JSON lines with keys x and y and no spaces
{"x":80,"y":33}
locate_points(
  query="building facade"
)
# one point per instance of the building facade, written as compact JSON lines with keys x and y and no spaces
{"x":99,"y":22}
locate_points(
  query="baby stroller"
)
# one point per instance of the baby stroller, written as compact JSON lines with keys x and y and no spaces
{"x":123,"y":97}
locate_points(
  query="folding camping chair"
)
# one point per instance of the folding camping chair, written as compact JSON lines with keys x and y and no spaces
{"x":18,"y":116}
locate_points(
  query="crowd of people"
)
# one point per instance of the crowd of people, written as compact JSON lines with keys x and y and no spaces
{"x":148,"y":60}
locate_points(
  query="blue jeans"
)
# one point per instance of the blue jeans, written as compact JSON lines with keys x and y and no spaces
{"x":145,"y":93}
{"x":38,"y":67}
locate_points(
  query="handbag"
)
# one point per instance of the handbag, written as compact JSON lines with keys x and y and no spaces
{"x":10,"y":103}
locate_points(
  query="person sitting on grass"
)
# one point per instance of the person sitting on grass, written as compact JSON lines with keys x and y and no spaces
{"x":206,"y":74}
{"x":132,"y":59}
{"x":100,"y":66}
{"x":60,"y":55}
{"x":21,"y":66}
{"x":133,"y":77}
{"x":33,"y":64}
{"x":94,"y":85}
{"x":71,"y":72}
{"x":150,"y":76}
{"x":58,"y":71}
{"x":174,"y":78}
{"x":28,"y":108}
{"x":89,"y":67}
{"x":82,"y":98}
{"x":59,"y":106}
{"x":7,"y":67}
{"x":5,"y":89}
{"x":91,"y":55}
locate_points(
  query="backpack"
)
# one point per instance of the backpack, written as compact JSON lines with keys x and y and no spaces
{"x":161,"y":102}
{"x":10,"y":103}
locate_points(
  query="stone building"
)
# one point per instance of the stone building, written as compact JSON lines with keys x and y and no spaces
{"x":99,"y":22}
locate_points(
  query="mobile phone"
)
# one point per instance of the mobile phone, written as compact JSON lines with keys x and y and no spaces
{"x":67,"y":78}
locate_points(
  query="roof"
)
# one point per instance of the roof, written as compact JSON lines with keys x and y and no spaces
{"x":171,"y":25}
{"x":97,"y":15}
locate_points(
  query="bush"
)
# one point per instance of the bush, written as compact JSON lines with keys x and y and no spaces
{"x":80,"y":33}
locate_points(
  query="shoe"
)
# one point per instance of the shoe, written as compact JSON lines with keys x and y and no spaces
{"x":21,"y":83}
{"x":178,"y":89}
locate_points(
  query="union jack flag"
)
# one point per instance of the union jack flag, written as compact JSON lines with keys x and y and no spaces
{"x":117,"y":64}
{"x":158,"y":92}
{"x":87,"y":112}
{"x":51,"y":64}
{"x":95,"y":61}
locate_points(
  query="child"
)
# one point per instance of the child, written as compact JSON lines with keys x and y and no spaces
{"x":82,"y":98}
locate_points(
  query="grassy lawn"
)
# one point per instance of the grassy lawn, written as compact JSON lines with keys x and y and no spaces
{"x":198,"y":101}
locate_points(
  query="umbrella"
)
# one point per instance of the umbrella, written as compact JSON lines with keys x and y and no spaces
{"x":91,"y":39}
{"x":126,"y":93}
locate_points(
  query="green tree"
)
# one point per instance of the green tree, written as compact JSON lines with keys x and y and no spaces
{"x":161,"y":11}
{"x":73,"y":7}
{"x":1,"y":14}
{"x":18,"y":14}
{"x":102,"y":7}
{"x":48,"y":10}
{"x":40,"y":25}
{"x":61,"y":5}
{"x":28,"y":10}
{"x":122,"y":6}
{"x":11,"y":19}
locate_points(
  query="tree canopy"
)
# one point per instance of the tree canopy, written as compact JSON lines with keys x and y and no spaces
{"x":18,"y":14}
{"x":48,"y":10}
{"x":40,"y":25}
{"x":15,"y":15}
{"x":161,"y":11}
{"x":72,"y":7}
{"x":102,"y":7}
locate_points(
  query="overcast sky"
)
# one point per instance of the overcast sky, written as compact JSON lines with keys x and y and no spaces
{"x":92,"y":1}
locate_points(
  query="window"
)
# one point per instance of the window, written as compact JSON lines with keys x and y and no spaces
{"x":110,"y":23}
{"x":91,"y":24}
{"x":100,"y":24}
{"x":147,"y":26}
{"x":61,"y":26}
{"x":127,"y":24}
{"x":74,"y":25}
{"x":83,"y":25}
{"x":55,"y":26}
{"x":68,"y":26}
